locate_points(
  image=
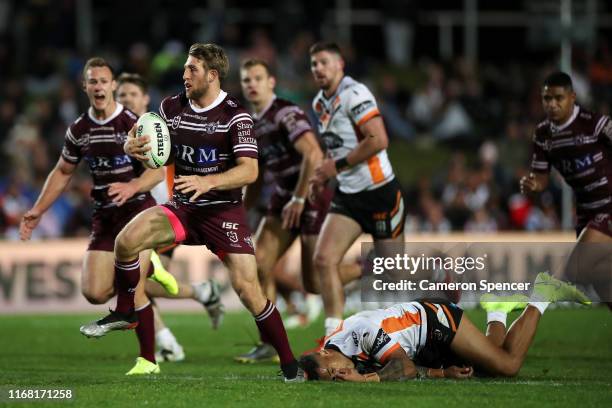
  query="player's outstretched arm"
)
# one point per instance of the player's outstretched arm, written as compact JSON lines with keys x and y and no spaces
{"x":245,"y":172}
{"x":121,"y":192}
{"x":55,"y":184}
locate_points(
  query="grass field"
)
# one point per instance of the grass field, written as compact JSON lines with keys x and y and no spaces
{"x":569,"y":364}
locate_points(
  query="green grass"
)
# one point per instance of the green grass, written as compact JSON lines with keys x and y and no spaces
{"x":569,"y":364}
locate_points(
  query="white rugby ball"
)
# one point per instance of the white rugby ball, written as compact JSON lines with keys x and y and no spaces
{"x":152,"y":125}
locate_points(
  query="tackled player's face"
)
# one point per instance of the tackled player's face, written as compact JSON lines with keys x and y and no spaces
{"x":330,"y":362}
{"x":99,"y":86}
{"x":558,"y":103}
{"x":196,"y":78}
{"x":326,"y":68}
{"x":257,"y":84}
{"x":132,"y":97}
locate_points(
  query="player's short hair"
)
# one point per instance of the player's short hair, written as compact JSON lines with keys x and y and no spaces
{"x":253,"y":62}
{"x":310,"y":365}
{"x":328,"y":46}
{"x":134,"y":79}
{"x":559,"y":79}
{"x":214,"y":57}
{"x":97,"y":62}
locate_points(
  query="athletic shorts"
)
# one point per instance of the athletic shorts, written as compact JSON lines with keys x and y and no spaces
{"x":312,"y":216}
{"x":222,"y":228}
{"x":379,"y":212}
{"x":601,"y":222}
{"x":106,"y":223}
{"x":441,"y":329}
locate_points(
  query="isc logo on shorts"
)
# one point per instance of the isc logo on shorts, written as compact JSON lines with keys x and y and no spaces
{"x":230,"y":225}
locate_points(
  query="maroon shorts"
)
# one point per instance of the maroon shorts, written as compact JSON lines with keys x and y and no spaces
{"x":601,"y":222}
{"x":312,"y":216}
{"x":106,"y":223}
{"x":222,"y":227}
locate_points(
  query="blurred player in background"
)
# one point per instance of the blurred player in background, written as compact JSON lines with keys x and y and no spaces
{"x":215,"y":156}
{"x":132,"y":92}
{"x":289,"y":152}
{"x":433,"y":339}
{"x":120,"y":191}
{"x":578,"y":143}
{"x":368,"y":197}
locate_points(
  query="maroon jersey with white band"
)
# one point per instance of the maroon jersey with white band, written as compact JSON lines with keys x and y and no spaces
{"x":208,"y":141}
{"x":100,"y":143}
{"x":581,"y":150}
{"x":277,"y":128}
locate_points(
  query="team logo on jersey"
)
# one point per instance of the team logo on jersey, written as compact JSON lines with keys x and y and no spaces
{"x":232,"y":236}
{"x":120,"y":138}
{"x":381,"y":340}
{"x":331,"y":140}
{"x":579,"y":140}
{"x":249,"y":241}
{"x":355,"y":338}
{"x":176,"y":122}
{"x":210,"y":128}
{"x":232,"y":103}
{"x":600,"y":218}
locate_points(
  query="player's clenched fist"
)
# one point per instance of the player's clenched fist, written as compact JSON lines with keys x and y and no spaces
{"x":458,"y":372}
{"x":530,"y":184}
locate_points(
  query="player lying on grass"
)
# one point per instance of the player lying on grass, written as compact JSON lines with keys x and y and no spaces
{"x":429,"y":339}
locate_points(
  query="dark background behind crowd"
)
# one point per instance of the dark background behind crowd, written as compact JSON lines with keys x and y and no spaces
{"x":459,"y":110}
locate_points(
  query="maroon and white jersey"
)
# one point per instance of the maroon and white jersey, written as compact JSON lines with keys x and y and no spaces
{"x":100,"y":143}
{"x":277,"y":128}
{"x":208,"y":141}
{"x":581,"y":150}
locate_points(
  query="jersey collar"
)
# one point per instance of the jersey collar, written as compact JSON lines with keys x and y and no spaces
{"x":265,"y":110}
{"x":216,"y":102}
{"x":559,"y":128}
{"x":116,"y":113}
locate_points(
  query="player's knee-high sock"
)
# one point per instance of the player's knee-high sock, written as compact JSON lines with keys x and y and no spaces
{"x":127,"y":275}
{"x":273,"y":332}
{"x":145,"y":331}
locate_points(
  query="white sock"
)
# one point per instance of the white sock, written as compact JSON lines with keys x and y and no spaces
{"x":331,"y":323}
{"x":497,"y":317}
{"x":202,"y":291}
{"x":165,"y":339}
{"x":541,"y":306}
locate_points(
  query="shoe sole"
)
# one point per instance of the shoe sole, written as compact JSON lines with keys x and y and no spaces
{"x":129,"y":327}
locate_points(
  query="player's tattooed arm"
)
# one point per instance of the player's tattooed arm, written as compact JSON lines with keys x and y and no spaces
{"x":393,"y":371}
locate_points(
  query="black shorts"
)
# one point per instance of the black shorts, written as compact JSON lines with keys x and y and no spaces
{"x":379,"y":212}
{"x":440,"y":334}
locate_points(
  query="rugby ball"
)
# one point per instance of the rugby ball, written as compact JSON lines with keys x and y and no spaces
{"x":152,"y":125}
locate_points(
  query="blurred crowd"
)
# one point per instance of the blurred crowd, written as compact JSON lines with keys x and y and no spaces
{"x":475,"y":119}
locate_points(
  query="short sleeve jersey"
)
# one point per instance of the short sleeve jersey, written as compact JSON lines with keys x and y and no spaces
{"x":208,"y":141}
{"x":338,"y":120}
{"x":100,"y":144}
{"x":370,"y":337}
{"x":581,"y":150}
{"x":278,"y":128}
